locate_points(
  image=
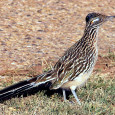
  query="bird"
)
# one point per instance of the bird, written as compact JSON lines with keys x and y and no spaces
{"x":74,"y":67}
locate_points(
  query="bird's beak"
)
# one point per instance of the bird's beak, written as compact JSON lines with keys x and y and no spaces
{"x":109,"y":18}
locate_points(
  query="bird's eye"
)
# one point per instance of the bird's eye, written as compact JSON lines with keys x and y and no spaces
{"x":94,"y":20}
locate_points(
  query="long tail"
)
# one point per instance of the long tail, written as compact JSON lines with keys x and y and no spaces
{"x":23,"y":86}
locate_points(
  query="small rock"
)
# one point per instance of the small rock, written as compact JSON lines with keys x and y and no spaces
{"x":40,"y":30}
{"x":39,"y":11}
{"x":28,"y":15}
{"x":39,"y":38}
{"x":28,"y":38}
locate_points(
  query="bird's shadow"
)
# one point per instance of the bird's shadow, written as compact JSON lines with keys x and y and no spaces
{"x":40,"y":88}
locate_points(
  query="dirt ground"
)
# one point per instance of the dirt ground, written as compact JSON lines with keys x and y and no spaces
{"x":35,"y":33}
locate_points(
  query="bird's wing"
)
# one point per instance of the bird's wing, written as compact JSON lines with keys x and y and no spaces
{"x":64,"y":68}
{"x":68,"y":67}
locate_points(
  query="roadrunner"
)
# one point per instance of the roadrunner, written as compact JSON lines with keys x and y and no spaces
{"x":73,"y":69}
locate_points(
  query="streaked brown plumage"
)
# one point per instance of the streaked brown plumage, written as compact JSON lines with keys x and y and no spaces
{"x":74,"y":67}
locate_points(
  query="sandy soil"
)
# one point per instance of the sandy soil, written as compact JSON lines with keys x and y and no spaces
{"x":35,"y":33}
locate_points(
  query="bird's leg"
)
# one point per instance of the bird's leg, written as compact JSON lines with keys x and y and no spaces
{"x":64,"y":94}
{"x":75,"y":95}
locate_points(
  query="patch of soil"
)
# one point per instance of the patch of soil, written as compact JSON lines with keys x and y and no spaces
{"x":34,"y":34}
{"x":105,"y":65}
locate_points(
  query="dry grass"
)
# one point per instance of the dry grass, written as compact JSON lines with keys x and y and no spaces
{"x":97,"y":98}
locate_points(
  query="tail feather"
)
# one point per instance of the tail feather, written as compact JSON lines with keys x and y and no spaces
{"x":25,"y":85}
{"x":13,"y":92}
{"x":18,"y":88}
{"x":12,"y":87}
{"x":15,"y":89}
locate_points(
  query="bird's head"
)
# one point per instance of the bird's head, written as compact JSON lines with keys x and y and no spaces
{"x":96,"y":19}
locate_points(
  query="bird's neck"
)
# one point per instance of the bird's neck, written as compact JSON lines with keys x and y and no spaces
{"x":91,"y":35}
